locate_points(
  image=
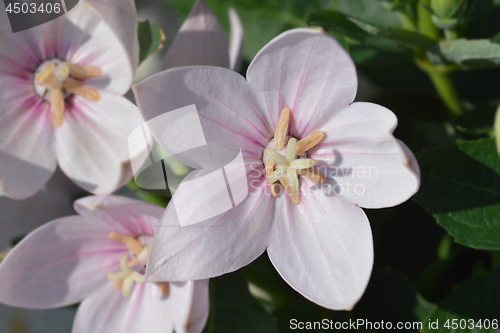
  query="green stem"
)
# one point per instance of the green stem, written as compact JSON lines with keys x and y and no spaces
{"x":444,"y":86}
{"x":425,"y":23}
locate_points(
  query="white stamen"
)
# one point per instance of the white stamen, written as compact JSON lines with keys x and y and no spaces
{"x":303,"y":163}
{"x":291,"y":150}
{"x":127,"y":286}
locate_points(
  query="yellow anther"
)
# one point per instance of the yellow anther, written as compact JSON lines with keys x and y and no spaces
{"x":46,"y":76}
{"x":83,"y":72}
{"x":289,"y":166}
{"x":164,"y":288}
{"x":309,"y":141}
{"x":132,"y":262}
{"x":57,"y":106}
{"x":76,"y":87}
{"x":282,"y":128}
{"x":118,"y":284}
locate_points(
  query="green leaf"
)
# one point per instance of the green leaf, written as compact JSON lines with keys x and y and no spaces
{"x":234,"y":310}
{"x":479,"y":120}
{"x":475,"y":300}
{"x":367,"y":34}
{"x":407,"y":38}
{"x":461,"y":189}
{"x":391,"y":297}
{"x":466,"y":53}
{"x":150,"y":39}
{"x":374,"y":12}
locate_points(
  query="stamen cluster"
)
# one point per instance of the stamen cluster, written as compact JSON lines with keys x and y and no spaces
{"x":289,"y":166}
{"x":61,"y":79}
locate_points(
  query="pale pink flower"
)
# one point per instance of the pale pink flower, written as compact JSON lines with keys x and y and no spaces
{"x":323,"y":245}
{"x":61,"y":87}
{"x":98,"y":258}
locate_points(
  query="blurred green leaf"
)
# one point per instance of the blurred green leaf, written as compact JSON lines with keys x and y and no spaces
{"x":475,"y":13}
{"x":468,"y":54}
{"x":150,"y":39}
{"x":461,"y":189}
{"x":479,"y":120}
{"x":367,"y":34}
{"x":381,"y":13}
{"x":470,"y":302}
{"x":390,"y":296}
{"x":234,"y":310}
{"x":336,"y":21}
{"x":495,"y":39}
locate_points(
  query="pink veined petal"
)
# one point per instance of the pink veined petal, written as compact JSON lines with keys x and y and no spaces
{"x":235,"y":41}
{"x":92,"y":143}
{"x":323,"y":248}
{"x":58,"y":264}
{"x":363,"y":160}
{"x":213,"y":247}
{"x":27,"y":150}
{"x":189,"y":305}
{"x":106,"y":310}
{"x":146,"y":310}
{"x":121,"y":16}
{"x":121,"y":214}
{"x":308,"y":71}
{"x":201,"y":40}
{"x":84,"y":37}
{"x":229,"y":112}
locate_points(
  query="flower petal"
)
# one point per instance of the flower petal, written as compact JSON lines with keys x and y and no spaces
{"x":308,"y":71}
{"x":58,"y":264}
{"x":121,"y":16}
{"x":200,"y":41}
{"x":27,"y":152}
{"x":92,"y":143}
{"x":190,"y":305}
{"x":323,"y":248}
{"x":106,"y":310}
{"x":86,"y":38}
{"x":230,"y":113}
{"x":236,"y":40}
{"x":121,"y":214}
{"x":55,"y":201}
{"x":366,"y":164}
{"x":213,"y":247}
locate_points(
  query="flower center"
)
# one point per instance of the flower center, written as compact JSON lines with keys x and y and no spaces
{"x":56,"y":80}
{"x":282,"y":163}
{"x":133,"y":263}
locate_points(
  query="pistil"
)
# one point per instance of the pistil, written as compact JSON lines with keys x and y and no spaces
{"x":59,"y":78}
{"x":285,"y":169}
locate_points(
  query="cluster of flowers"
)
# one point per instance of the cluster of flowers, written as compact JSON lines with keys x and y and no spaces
{"x":130,"y":263}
